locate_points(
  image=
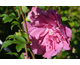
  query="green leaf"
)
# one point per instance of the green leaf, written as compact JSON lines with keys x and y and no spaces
{"x":22,"y":56}
{"x":28,"y":49}
{"x":6,"y":44}
{"x":17,"y":7}
{"x":12,"y":26}
{"x":2,"y":15}
{"x":17,"y":42}
{"x":12,"y":15}
{"x":25,"y":9}
{"x":74,"y":13}
{"x":6,"y":19}
{"x":75,"y":42}
{"x":66,"y":12}
{"x":18,"y":33}
{"x":13,"y":53}
{"x":20,"y":38}
{"x":55,"y":58}
{"x":10,"y":37}
{"x":76,"y":24}
{"x":64,"y":18}
{"x":72,"y":24}
{"x":19,"y":47}
{"x":42,"y":7}
{"x":15,"y":22}
{"x":27,"y":19}
{"x":24,"y":35}
{"x":16,"y":39}
{"x":16,"y":10}
{"x":30,"y":42}
{"x":64,"y":54}
{"x":17,"y":18}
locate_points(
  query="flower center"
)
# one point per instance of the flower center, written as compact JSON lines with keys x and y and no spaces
{"x":50,"y":32}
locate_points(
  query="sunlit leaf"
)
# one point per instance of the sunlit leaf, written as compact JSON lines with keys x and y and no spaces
{"x":22,"y":56}
{"x":25,"y":9}
{"x":64,"y":18}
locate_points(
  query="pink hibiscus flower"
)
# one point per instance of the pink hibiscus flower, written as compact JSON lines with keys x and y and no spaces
{"x":48,"y":35}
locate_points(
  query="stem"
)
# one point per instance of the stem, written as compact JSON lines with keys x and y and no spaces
{"x":25,"y":24}
{"x":6,"y":10}
{"x":47,"y":7}
{"x":70,"y":12}
{"x":22,"y":32}
{"x":27,"y":34}
{"x":59,"y":9}
{"x":20,"y":22}
{"x":56,"y":8}
{"x":25,"y":45}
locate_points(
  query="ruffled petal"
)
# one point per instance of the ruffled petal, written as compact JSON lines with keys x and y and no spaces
{"x":34,"y":31}
{"x":66,"y":46}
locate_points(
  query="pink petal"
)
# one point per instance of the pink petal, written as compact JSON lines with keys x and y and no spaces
{"x":66,"y":45}
{"x":34,"y":31}
{"x":25,"y":56}
{"x":68,"y":31}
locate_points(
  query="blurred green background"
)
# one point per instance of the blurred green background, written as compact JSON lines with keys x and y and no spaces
{"x":70,"y":16}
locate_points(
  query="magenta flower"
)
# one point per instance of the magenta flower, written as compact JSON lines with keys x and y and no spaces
{"x":48,"y":35}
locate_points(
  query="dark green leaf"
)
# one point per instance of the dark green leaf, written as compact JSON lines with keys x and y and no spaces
{"x":13,"y":53}
{"x":12,"y":15}
{"x":10,"y":37}
{"x":2,"y":15}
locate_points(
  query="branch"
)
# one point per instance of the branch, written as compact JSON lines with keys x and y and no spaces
{"x":27,"y":35}
{"x":20,"y":22}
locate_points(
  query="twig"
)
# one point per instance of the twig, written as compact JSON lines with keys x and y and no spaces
{"x":20,"y":22}
{"x":59,"y":9}
{"x":25,"y":45}
{"x":56,"y":8}
{"x":27,"y":34}
{"x":22,"y":32}
{"x":6,"y":10}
